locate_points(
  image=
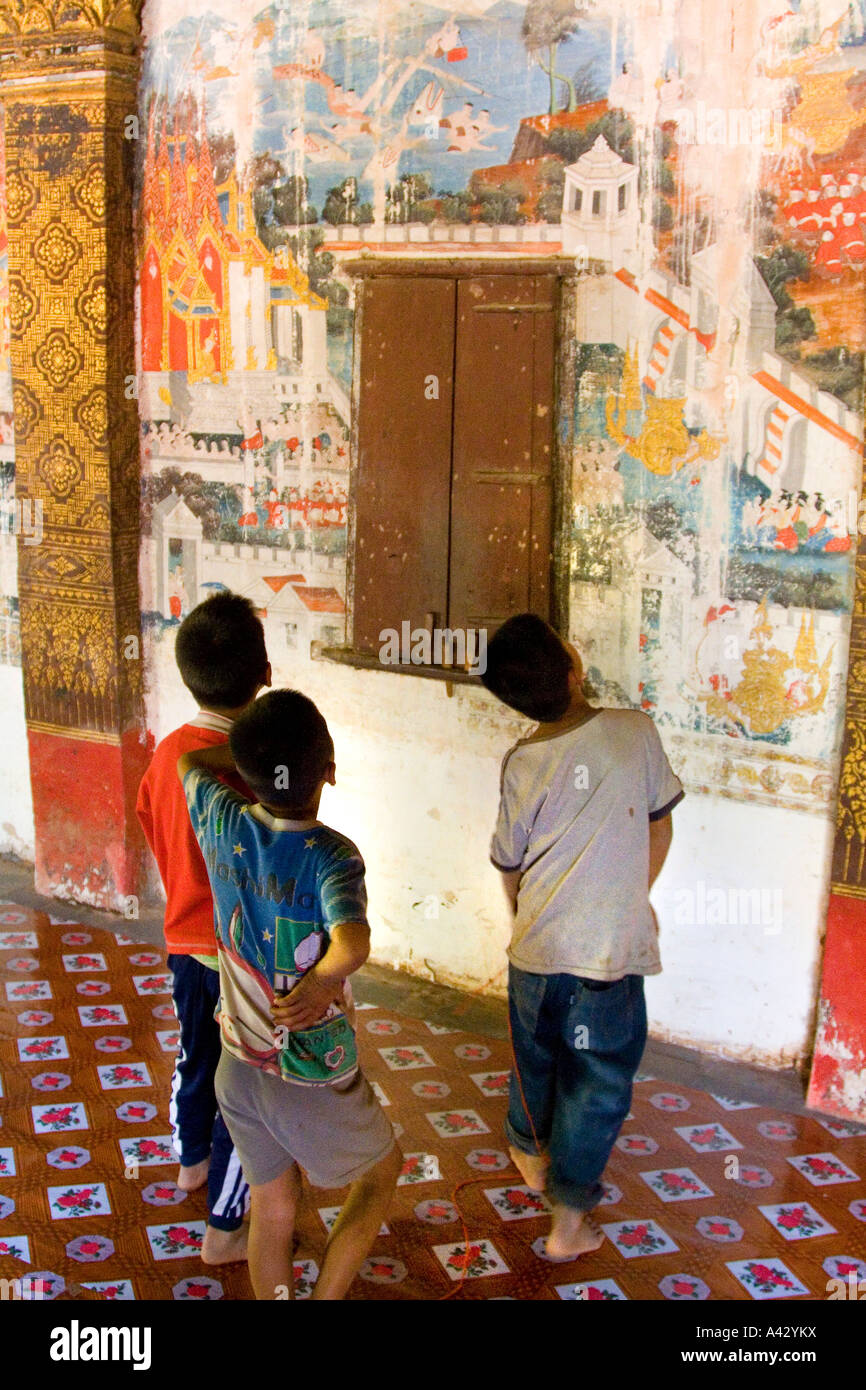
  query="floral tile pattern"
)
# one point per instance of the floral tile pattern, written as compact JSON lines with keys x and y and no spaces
{"x":463,"y":1223}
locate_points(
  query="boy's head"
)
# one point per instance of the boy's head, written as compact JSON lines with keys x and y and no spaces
{"x":529,"y":668}
{"x":282,"y":749}
{"x":220,"y":652}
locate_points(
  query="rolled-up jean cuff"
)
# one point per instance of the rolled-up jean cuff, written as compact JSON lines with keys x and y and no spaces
{"x":575,"y":1196}
{"x":520,"y":1141}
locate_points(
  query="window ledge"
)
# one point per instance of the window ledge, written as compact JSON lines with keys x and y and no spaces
{"x":364,"y":661}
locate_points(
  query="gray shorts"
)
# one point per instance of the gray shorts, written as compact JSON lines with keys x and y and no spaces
{"x":336,"y":1133}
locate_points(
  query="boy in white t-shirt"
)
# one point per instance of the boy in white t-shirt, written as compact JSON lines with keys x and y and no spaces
{"x":584,"y":828}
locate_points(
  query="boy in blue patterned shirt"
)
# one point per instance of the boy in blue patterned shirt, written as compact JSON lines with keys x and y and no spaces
{"x":290,"y":918}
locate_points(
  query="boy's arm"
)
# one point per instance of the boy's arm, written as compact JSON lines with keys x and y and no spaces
{"x":511,"y":883}
{"x":217,"y":758}
{"x":661,"y":833}
{"x":323,"y":983}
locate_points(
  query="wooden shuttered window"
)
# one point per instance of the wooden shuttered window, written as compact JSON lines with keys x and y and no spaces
{"x":455,"y":452}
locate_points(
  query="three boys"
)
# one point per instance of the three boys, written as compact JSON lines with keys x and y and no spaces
{"x":583,"y":830}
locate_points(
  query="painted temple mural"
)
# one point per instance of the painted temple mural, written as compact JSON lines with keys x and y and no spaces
{"x":716,"y":197}
{"x":10,"y":628}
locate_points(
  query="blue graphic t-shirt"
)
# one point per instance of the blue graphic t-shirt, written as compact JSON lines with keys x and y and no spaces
{"x":278,"y":892}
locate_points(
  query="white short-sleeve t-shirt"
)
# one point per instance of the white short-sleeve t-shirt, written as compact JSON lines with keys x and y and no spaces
{"x":574,"y":818}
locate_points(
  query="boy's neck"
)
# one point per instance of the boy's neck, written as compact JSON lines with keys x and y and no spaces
{"x":579,"y":710}
{"x":223,"y":711}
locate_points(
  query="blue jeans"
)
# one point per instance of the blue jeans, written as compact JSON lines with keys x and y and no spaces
{"x":198,"y":1128}
{"x":577,"y":1045}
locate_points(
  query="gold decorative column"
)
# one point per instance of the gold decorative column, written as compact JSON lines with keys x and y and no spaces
{"x":68,"y":75}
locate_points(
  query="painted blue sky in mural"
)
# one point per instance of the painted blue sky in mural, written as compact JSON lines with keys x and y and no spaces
{"x":486,"y":66}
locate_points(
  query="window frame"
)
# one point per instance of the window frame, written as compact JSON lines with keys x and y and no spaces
{"x":568,"y":275}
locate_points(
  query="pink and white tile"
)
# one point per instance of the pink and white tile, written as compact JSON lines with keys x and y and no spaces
{"x":78,"y":1200}
{"x":68,"y":1156}
{"x":431,"y":1090}
{"x":845,"y":1267}
{"x":592,"y":1291}
{"x":59,"y":1118}
{"x":475,"y":1260}
{"x":451,"y":1124}
{"x":19,"y":941}
{"x":383,"y":1269}
{"x":15,"y":1248}
{"x":28,"y":991}
{"x":78,"y":963}
{"x":329,"y":1216}
{"x":152,"y":984}
{"x":684,"y":1288}
{"x":676,"y":1184}
{"x":112,"y":1043}
{"x":472,"y":1052}
{"x":419,"y":1167}
{"x":766,"y":1278}
{"x":197,"y":1288}
{"x":635,"y":1238}
{"x":492,"y":1083}
{"x":148,"y":1152}
{"x":751,"y":1175}
{"x":728,"y":1103}
{"x":637,"y":1144}
{"x":168,"y":1039}
{"x":516,"y":1202}
{"x":436,"y":1212}
{"x":488,"y":1160}
{"x":7,"y":1164}
{"x":113,"y":1290}
{"x":305,"y":1273}
{"x":823,"y":1170}
{"x":782,"y":1131}
{"x":102,"y":1015}
{"x":121,"y":1075}
{"x":179,"y":1240}
{"x":90,"y":1249}
{"x":704,"y":1139}
{"x":797,"y":1220}
{"x":841,"y":1129}
{"x":52,"y":1049}
{"x":405,"y":1058}
{"x":720,"y":1229}
{"x":669,"y":1102}
{"x":93,"y":988}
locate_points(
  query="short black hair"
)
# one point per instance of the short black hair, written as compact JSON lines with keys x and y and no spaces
{"x":220,"y":651}
{"x":282,"y":748}
{"x":528,"y":667}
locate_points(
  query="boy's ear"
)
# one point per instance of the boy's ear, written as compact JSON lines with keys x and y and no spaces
{"x":268,"y":681}
{"x":330,"y":774}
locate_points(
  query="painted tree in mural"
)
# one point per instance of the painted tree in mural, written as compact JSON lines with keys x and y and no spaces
{"x":547,"y":24}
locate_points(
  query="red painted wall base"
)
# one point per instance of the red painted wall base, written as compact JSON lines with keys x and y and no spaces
{"x":89,"y":847}
{"x":838,"y":1081}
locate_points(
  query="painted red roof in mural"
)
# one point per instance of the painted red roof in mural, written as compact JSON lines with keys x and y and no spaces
{"x":319,"y":600}
{"x":278,"y":581}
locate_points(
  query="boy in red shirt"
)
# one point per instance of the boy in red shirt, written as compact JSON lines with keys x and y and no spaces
{"x":220,"y":652}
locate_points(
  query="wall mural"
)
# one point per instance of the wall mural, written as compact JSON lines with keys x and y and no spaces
{"x":10,"y":627}
{"x":715,"y":428}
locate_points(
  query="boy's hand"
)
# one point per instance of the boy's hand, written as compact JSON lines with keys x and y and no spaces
{"x":307,"y":1003}
{"x":217,"y":758}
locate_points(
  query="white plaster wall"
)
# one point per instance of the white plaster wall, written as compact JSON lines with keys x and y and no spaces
{"x":16,"y":801}
{"x":417,"y":789}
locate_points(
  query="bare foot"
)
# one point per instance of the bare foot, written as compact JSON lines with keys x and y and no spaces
{"x":532,"y":1167}
{"x":573,"y":1233}
{"x":224,"y":1247}
{"x":190,"y":1179}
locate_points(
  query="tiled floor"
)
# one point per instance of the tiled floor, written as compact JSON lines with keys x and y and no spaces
{"x":707,"y":1197}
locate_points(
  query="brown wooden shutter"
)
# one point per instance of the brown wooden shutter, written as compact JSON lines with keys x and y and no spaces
{"x":503,"y":449}
{"x":404,"y":455}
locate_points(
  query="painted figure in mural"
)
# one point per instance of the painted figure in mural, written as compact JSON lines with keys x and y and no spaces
{"x":288,"y":1081}
{"x":584,"y":827}
{"x":220,"y":652}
